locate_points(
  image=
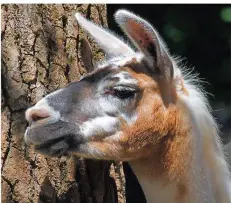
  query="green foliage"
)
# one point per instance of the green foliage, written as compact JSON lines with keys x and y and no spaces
{"x":226,"y":14}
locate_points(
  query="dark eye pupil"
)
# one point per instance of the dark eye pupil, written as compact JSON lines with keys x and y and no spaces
{"x":124,"y":94}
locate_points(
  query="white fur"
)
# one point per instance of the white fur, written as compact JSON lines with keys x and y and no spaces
{"x":120,"y":61}
{"x":111,"y":109}
{"x":99,"y":125}
{"x":156,"y":191}
{"x":210,"y":175}
{"x":123,"y":80}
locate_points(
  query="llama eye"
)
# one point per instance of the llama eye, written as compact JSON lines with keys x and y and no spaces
{"x":124,"y":92}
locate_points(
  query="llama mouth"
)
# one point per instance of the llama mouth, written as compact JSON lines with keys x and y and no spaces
{"x":55,"y":148}
{"x":53,"y":139}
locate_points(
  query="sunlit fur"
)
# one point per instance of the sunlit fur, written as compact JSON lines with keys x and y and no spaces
{"x":190,"y":157}
{"x":206,"y":145}
{"x":165,"y":131}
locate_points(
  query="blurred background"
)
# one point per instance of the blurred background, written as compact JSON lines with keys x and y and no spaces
{"x":201,"y":36}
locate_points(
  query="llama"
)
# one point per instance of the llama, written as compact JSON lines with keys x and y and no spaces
{"x":137,"y":106}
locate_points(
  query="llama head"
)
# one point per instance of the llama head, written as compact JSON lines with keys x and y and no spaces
{"x":119,"y":111}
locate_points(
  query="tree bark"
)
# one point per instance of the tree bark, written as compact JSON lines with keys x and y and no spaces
{"x":43,"y":49}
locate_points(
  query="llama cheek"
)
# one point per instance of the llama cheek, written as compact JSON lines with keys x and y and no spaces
{"x":103,"y":126}
{"x":108,"y":108}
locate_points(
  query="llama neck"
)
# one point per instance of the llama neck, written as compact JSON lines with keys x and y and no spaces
{"x":156,"y":188}
{"x":204,"y":179}
{"x":210,"y":171}
{"x":204,"y":184}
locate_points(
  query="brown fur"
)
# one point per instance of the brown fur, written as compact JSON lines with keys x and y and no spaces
{"x":164,"y":130}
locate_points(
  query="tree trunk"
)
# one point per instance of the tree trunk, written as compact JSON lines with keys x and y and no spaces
{"x":43,"y":49}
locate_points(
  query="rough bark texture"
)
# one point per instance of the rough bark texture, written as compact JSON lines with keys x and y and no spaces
{"x":43,"y":49}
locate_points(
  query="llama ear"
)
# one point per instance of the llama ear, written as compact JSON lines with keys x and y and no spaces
{"x":147,"y":40}
{"x":107,"y":41}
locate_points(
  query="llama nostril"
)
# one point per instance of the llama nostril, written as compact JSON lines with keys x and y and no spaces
{"x":34,"y":115}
